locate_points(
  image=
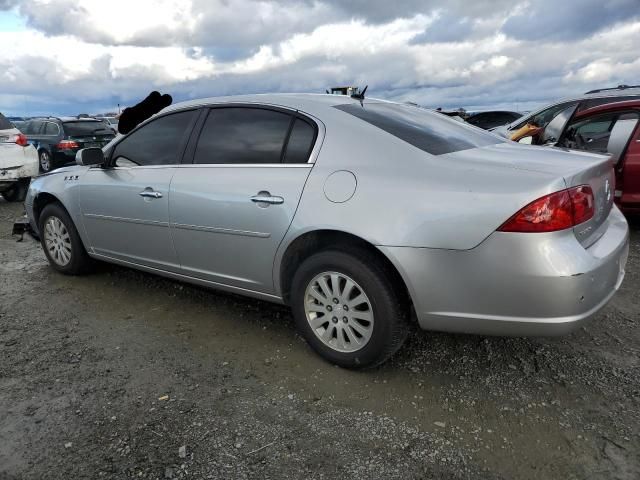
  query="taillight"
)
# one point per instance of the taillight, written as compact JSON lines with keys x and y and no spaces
{"x":67,"y":145}
{"x":553,"y":212}
{"x":21,"y":139}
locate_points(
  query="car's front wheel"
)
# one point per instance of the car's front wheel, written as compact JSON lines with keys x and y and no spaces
{"x":60,"y":241}
{"x":348,"y":308}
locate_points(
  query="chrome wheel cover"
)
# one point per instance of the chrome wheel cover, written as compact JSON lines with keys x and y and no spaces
{"x":339,"y":312}
{"x":57,"y":241}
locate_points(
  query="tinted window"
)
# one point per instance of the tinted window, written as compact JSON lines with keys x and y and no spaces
{"x":300,"y":142}
{"x":591,"y":134}
{"x":428,"y":131}
{"x":4,"y":123}
{"x":542,"y":119}
{"x":242,"y":135}
{"x":84,"y":128}
{"x":158,"y":142}
{"x":51,"y":128}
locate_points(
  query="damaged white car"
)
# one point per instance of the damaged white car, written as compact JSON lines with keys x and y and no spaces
{"x":18,"y":162}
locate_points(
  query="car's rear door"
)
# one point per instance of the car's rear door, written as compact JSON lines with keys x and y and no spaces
{"x":230,"y":209}
{"x":125,"y":208}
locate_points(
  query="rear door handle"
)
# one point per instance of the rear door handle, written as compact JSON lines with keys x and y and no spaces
{"x":266,"y":197}
{"x":150,"y":194}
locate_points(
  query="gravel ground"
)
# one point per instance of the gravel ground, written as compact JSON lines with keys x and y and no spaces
{"x":121,"y":374}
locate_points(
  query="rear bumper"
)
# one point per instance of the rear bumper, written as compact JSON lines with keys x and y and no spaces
{"x":515,"y":284}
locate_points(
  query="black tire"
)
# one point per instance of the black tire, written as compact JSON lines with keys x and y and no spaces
{"x":389,"y":304}
{"x":79,"y":261}
{"x":45,"y":159}
{"x":17,"y":192}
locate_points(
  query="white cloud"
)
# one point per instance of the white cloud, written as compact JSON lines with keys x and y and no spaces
{"x":82,"y":54}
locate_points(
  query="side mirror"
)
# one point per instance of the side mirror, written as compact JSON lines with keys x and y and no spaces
{"x":620,"y":135}
{"x":90,"y":157}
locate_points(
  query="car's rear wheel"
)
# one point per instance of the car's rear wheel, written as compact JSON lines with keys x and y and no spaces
{"x":348,"y":308}
{"x":46,"y":163}
{"x":17,"y":192}
{"x":60,"y":241}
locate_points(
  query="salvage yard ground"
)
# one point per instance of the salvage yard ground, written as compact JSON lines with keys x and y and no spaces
{"x":121,"y":374}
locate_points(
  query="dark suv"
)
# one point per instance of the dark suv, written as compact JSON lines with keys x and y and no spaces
{"x":58,"y":139}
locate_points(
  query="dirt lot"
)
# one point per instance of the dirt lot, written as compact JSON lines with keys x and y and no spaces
{"x":109,"y":375}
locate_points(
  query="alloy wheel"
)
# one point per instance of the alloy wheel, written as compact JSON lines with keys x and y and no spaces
{"x":45,"y":161}
{"x":57,"y":241}
{"x":339,"y":312}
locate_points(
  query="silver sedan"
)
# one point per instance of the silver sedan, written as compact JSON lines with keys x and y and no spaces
{"x":362,"y":215}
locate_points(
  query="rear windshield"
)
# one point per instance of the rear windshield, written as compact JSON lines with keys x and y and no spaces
{"x":429,"y":131}
{"x":78,"y":129}
{"x":4,"y":123}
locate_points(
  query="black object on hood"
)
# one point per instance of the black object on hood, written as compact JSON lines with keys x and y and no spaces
{"x":133,"y":116}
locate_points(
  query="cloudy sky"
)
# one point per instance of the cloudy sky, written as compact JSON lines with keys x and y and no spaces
{"x":72,"y":56}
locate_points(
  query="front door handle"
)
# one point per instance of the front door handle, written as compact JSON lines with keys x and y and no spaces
{"x":267,"y":198}
{"x":150,"y":194}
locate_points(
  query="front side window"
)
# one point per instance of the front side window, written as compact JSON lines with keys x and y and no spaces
{"x":242,"y":135}
{"x":429,"y":131}
{"x":591,"y":134}
{"x":159,"y":142}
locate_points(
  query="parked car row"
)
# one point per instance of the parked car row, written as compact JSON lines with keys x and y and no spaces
{"x":354,"y":212}
{"x":58,"y":139}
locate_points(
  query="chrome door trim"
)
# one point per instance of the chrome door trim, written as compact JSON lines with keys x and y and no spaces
{"x":229,"y":231}
{"x":127,"y":220}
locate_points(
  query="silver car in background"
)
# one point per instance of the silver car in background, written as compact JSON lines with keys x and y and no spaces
{"x":356,"y":213}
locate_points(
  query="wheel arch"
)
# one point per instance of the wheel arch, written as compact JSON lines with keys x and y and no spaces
{"x":309,"y":243}
{"x":42,"y":200}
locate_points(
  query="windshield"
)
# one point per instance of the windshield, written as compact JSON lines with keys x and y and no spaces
{"x":430,"y":132}
{"x":78,"y":129}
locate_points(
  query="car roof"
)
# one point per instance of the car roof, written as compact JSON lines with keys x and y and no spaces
{"x":609,"y":107}
{"x":308,"y":102}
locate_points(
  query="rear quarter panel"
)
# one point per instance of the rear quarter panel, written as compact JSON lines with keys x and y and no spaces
{"x":407,"y":197}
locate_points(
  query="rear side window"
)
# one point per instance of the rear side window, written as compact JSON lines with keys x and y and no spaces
{"x":51,"y":129}
{"x":85,"y":128}
{"x":428,"y":131}
{"x":300,"y":142}
{"x":4,"y":123}
{"x":241,"y":135}
{"x":159,"y":142}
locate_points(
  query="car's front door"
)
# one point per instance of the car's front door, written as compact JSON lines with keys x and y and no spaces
{"x":230,"y":209}
{"x":125,"y":207}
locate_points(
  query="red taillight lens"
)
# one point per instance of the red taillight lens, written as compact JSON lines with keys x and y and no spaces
{"x":553,"y":212}
{"x":582,"y":199}
{"x":67,"y":144}
{"x":21,"y":140}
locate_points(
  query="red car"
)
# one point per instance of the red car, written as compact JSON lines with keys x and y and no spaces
{"x":614,"y":129}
